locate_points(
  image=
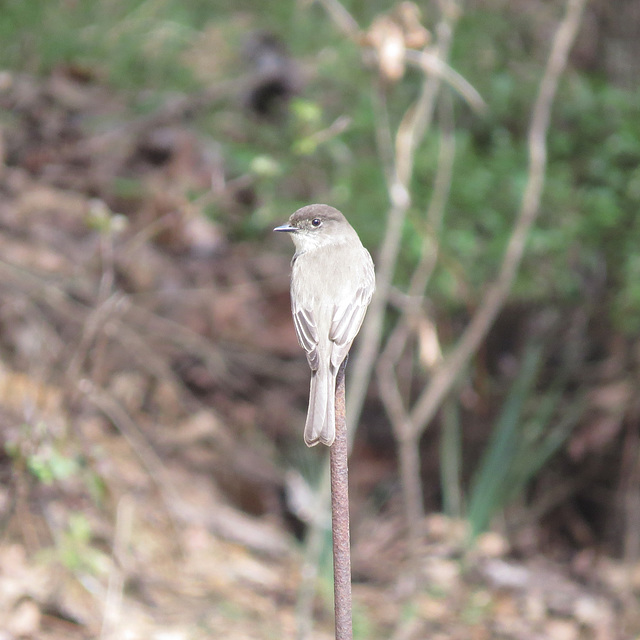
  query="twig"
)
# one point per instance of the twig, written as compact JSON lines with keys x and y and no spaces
{"x":411,"y":303}
{"x":140,"y":446}
{"x":444,"y":377}
{"x":629,"y":484}
{"x":410,"y":133}
{"x":441,"y":190}
{"x":309,"y":570}
{"x":407,"y":438}
{"x":96,"y":318}
{"x":415,"y":125}
{"x":384,"y":136}
{"x":343,"y":19}
{"x":387,"y":382}
{"x":431,"y":63}
{"x":112,"y":613}
{"x":338,"y":455}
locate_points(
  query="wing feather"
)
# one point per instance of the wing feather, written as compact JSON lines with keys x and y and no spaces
{"x":307,"y":333}
{"x":347,"y":320}
{"x":346,"y":317}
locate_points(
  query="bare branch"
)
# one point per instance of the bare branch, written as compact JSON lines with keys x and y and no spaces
{"x":434,"y":64}
{"x":387,"y":380}
{"x":342,"y":18}
{"x":445,"y":376}
{"x":415,"y":124}
{"x":441,"y":189}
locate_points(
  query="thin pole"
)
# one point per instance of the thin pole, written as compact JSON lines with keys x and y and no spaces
{"x":338,"y":455}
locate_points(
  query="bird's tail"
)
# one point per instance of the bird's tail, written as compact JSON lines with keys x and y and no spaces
{"x":321,"y":416}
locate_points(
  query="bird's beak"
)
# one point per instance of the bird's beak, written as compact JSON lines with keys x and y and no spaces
{"x":286,"y":227}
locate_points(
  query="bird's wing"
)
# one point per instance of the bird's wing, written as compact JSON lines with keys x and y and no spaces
{"x":347,"y":319}
{"x":307,"y":333}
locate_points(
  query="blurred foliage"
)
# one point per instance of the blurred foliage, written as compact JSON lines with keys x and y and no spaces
{"x":37,"y":451}
{"x":585,"y":246}
{"x":588,"y":231}
{"x":75,"y":551}
{"x":531,"y":428}
{"x":588,"y":235}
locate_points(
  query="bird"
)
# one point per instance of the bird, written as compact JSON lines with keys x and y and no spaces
{"x":332,"y":284}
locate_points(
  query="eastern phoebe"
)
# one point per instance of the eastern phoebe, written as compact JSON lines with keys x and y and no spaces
{"x":332,"y":282}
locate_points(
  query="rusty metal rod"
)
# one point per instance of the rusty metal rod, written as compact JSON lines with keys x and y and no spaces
{"x":338,"y":455}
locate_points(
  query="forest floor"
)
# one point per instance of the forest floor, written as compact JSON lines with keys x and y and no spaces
{"x":150,"y":389}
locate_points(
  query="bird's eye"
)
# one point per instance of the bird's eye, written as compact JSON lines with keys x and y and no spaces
{"x":316,"y":222}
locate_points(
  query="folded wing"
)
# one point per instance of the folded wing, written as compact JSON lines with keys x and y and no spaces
{"x":307,"y":333}
{"x":347,"y":319}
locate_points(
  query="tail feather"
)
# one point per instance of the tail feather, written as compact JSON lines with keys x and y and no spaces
{"x":321,"y":421}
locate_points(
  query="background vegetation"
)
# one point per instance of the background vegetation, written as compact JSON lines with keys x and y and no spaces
{"x":143,"y":292}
